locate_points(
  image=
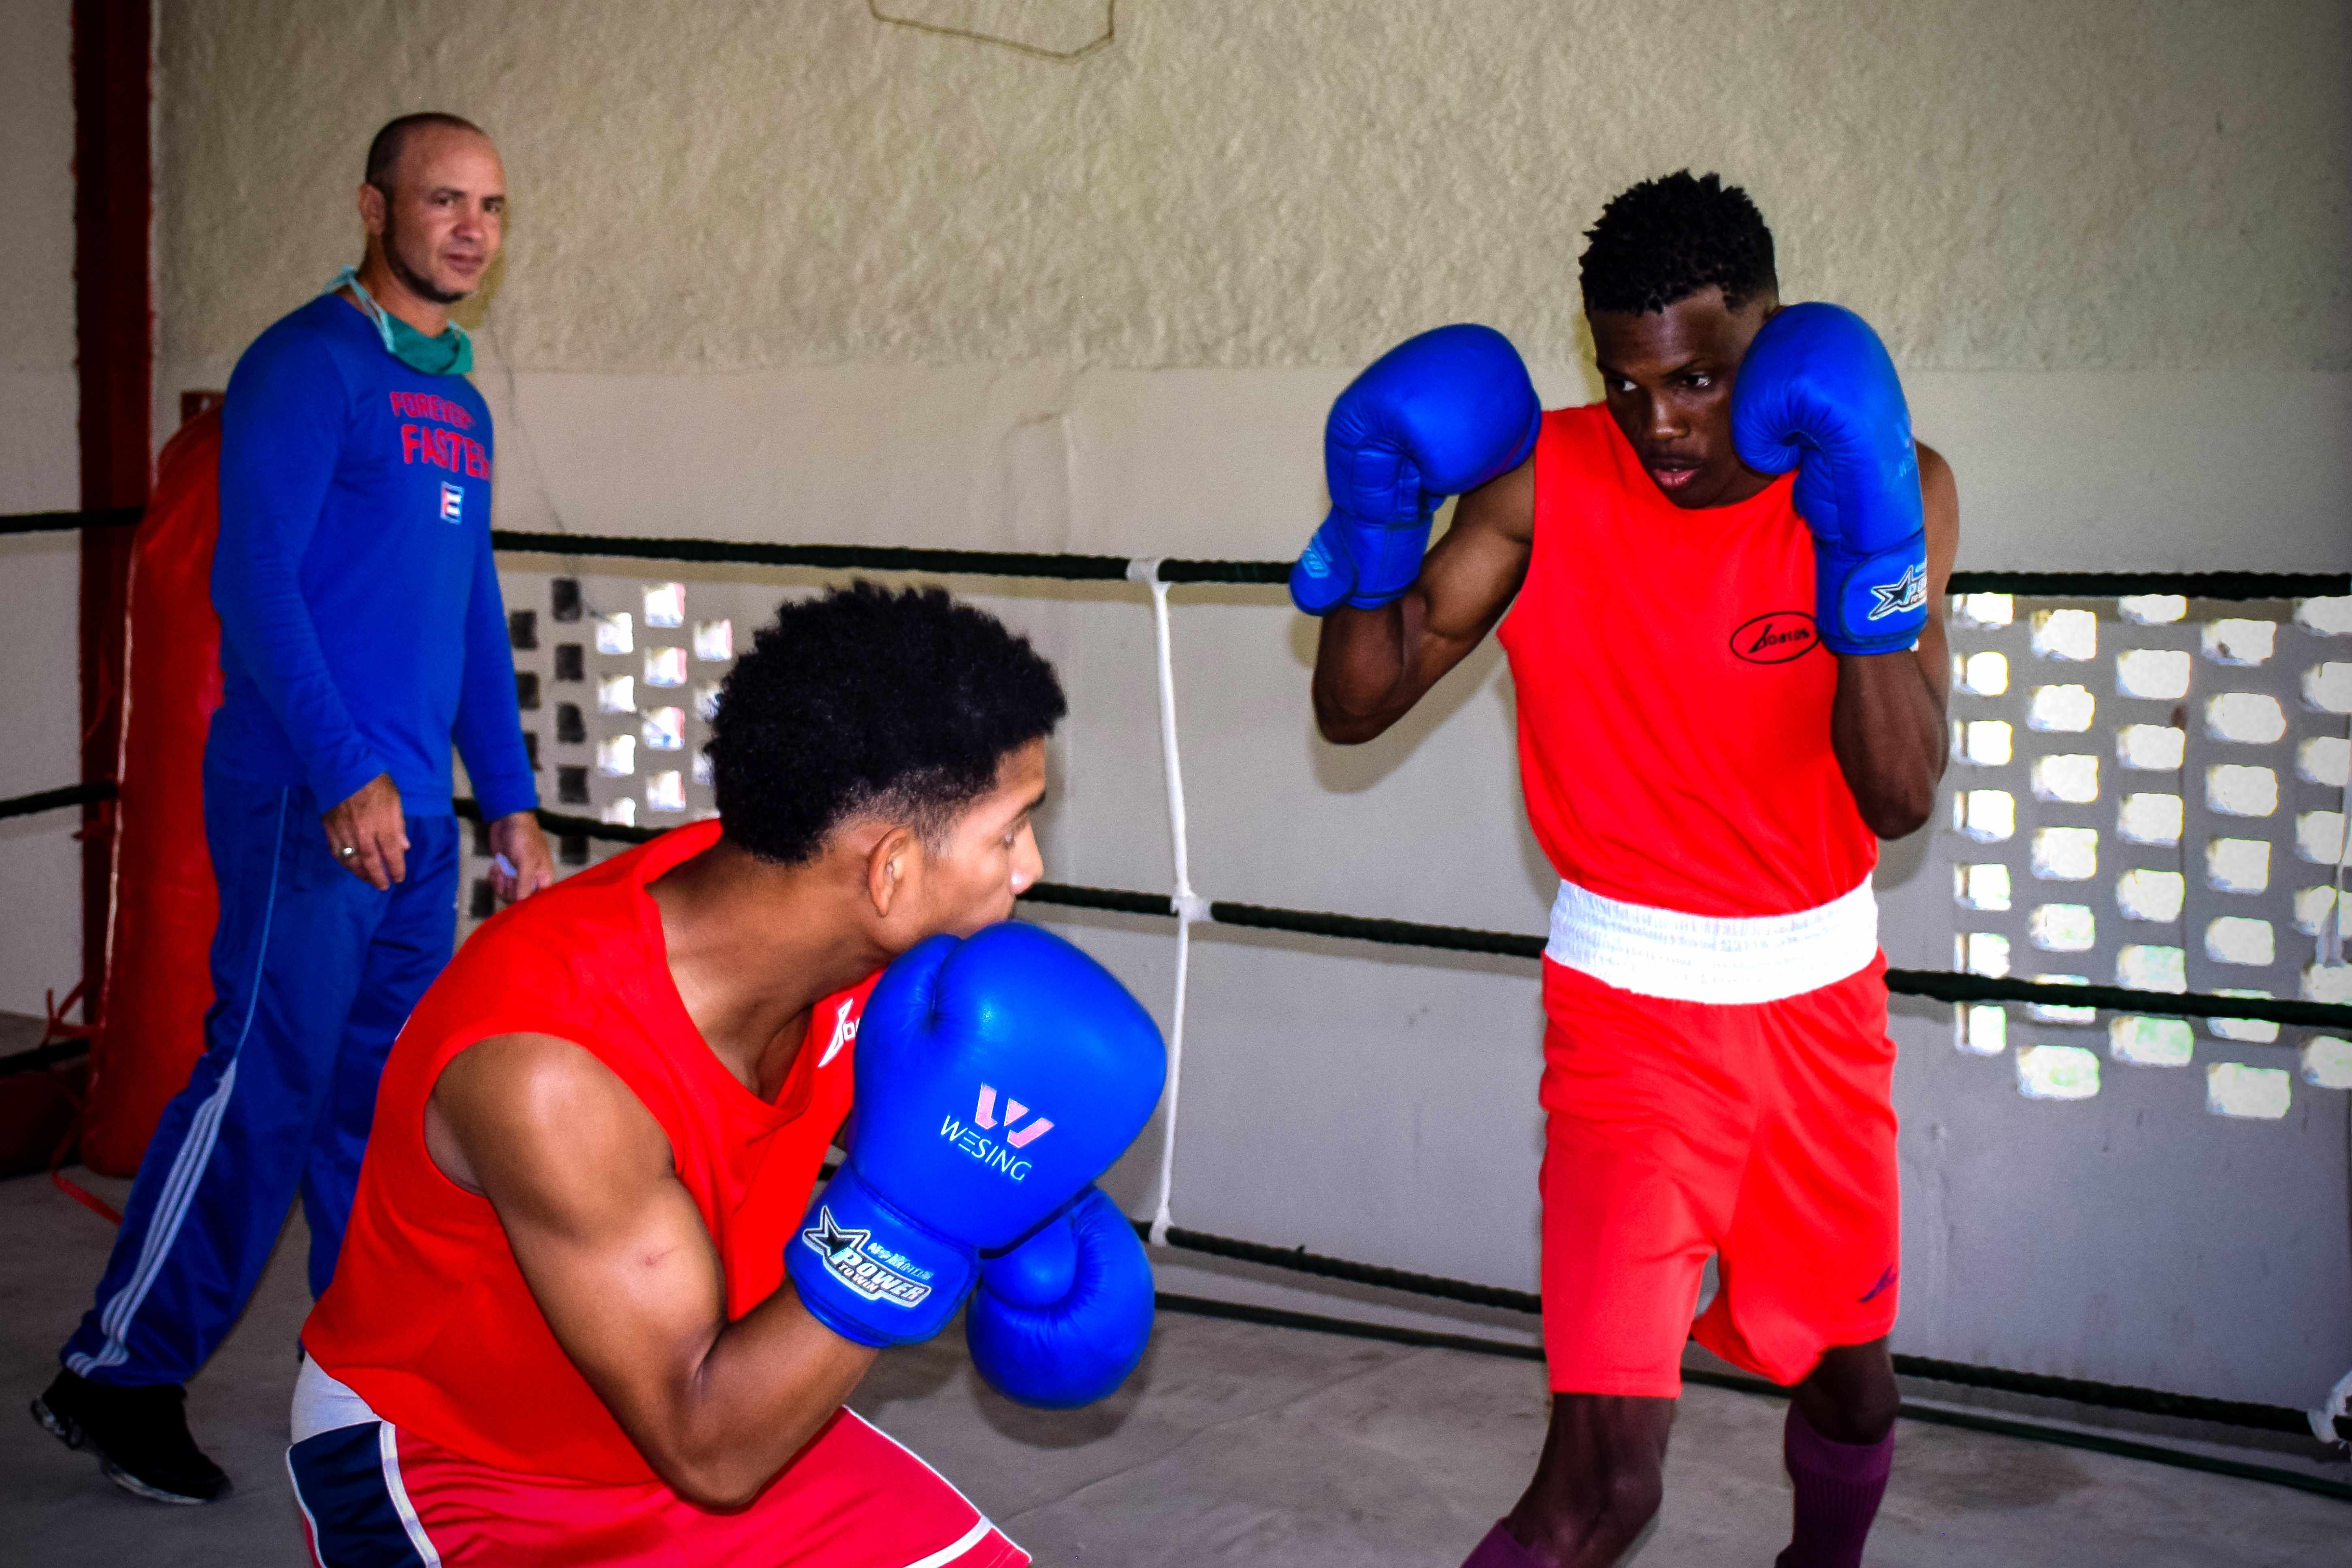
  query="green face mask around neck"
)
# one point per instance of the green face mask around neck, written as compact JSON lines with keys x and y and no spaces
{"x":451,"y":353}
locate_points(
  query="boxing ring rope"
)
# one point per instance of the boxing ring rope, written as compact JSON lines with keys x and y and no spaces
{"x":1185,"y":904}
{"x":1187,"y":908}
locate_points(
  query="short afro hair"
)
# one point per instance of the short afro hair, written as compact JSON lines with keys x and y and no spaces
{"x":864,"y":702}
{"x":1667,"y":240}
{"x":384,"y":153}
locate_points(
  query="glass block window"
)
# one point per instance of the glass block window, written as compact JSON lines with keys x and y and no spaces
{"x":2241,"y":940}
{"x":2151,"y":966}
{"x":665,"y":792}
{"x":665,"y":667}
{"x":1985,"y":952}
{"x":2312,"y":906}
{"x":2043,"y":1013}
{"x":2238,"y":865}
{"x":2326,"y":1062}
{"x":664,"y":730}
{"x":2057,"y":1072}
{"x":1981,"y":887}
{"x":1982,"y":674}
{"x":2324,"y":760}
{"x":2253,"y":1093}
{"x":2066,"y":854}
{"x":2150,"y":819}
{"x":2065,"y":709}
{"x":668,"y":644}
{"x":2150,"y":1042}
{"x":2064,"y":928}
{"x":2324,"y":617}
{"x":2248,"y":1031}
{"x":1984,"y":742}
{"x":664,"y":603}
{"x":2070,"y":776}
{"x":2155,"y":674}
{"x":2238,"y":641}
{"x":2151,"y":748}
{"x":2245,"y":718}
{"x":2072,"y":635}
{"x":2233,"y":789}
{"x":2152,"y":609}
{"x":2319,"y":837}
{"x":1987,"y":816}
{"x":1980,"y":1029}
{"x":2142,"y":894}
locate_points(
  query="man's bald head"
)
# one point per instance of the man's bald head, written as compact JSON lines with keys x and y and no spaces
{"x":392,"y":143}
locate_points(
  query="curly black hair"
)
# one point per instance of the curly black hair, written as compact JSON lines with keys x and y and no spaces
{"x":1665,"y":240}
{"x":866,"y":702}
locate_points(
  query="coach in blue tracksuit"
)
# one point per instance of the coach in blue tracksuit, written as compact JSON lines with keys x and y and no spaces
{"x":361,"y":631}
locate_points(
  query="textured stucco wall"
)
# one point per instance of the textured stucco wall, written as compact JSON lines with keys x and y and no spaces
{"x":1998,"y":184}
{"x":39,"y":472}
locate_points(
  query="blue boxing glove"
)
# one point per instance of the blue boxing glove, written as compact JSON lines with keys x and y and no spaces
{"x":1061,"y":1319}
{"x":997,"y":1076}
{"x":1818,"y":393}
{"x":1435,"y":415}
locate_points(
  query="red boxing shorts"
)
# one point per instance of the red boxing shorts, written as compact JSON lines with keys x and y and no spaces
{"x":1762,"y":1134}
{"x":852,"y":1498}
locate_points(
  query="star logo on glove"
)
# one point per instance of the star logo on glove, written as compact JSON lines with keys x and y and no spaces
{"x":1908,"y":591}
{"x":829,"y":1238}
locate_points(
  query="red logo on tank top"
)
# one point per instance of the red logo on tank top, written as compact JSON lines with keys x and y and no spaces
{"x":1776,"y":638}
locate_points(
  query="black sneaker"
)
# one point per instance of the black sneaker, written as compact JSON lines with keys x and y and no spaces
{"x":140,"y":1434}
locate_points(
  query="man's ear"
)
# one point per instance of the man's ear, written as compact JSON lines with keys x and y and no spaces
{"x":372,"y":209}
{"x":889,"y":867}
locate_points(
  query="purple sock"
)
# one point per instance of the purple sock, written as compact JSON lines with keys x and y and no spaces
{"x":1838,"y":1488}
{"x":1501,"y":1549}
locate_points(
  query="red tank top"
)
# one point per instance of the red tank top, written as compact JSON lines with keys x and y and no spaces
{"x":429,"y":1318}
{"x":1673,"y":700}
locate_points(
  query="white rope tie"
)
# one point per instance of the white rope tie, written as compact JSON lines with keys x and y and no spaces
{"x":2331,"y":930}
{"x":1189,"y":906}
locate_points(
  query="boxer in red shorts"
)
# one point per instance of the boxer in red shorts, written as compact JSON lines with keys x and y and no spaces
{"x":1731,"y":685}
{"x":562,"y":1331}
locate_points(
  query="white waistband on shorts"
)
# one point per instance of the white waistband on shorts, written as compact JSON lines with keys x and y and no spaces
{"x":1726,"y":960}
{"x":322,"y":1402}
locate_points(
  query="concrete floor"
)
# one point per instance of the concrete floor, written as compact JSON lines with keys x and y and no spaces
{"x":1236,"y":1444}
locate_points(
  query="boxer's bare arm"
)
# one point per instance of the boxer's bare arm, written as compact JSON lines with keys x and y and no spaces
{"x":617,"y":1257}
{"x":1886,"y":724}
{"x":1372,"y":665}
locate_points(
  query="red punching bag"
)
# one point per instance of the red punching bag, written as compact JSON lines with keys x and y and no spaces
{"x":151,"y":1019}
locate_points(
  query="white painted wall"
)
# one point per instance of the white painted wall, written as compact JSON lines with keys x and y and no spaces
{"x":40,"y":470}
{"x":783,"y":273}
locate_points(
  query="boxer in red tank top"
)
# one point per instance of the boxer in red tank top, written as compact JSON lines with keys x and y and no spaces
{"x":1710,"y":779}
{"x":563,"y":1330}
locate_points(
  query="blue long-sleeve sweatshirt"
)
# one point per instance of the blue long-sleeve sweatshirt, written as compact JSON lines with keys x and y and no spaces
{"x":361,"y":628}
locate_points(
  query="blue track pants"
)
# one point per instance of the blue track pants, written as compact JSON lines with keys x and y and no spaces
{"x":313,"y":973}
